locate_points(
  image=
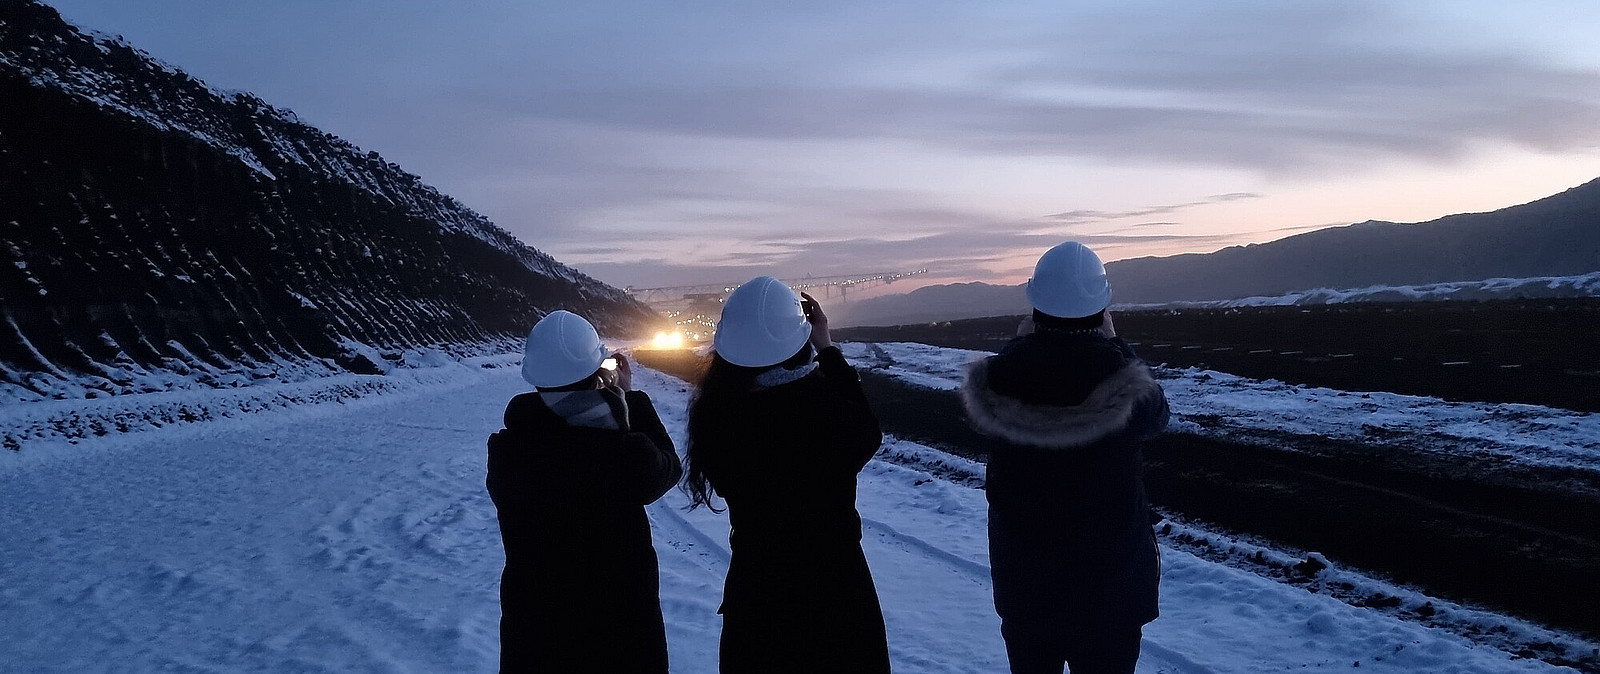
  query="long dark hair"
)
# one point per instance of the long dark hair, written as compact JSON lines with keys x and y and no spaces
{"x":715,"y":405}
{"x":1046,"y":323}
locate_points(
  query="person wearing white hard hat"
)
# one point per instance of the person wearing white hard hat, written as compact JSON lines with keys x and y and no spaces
{"x":779,"y":428}
{"x":1067,"y":405}
{"x":570,"y":474}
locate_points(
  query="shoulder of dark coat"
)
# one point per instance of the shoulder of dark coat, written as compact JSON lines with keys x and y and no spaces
{"x":530,"y":425}
{"x":526,"y":410}
{"x":1106,"y":411}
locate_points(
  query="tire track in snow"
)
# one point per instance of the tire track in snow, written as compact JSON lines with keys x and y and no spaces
{"x":665,"y":518}
{"x":977,"y":573}
{"x":1181,"y":663}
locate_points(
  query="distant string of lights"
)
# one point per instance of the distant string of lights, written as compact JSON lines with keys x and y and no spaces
{"x":693,"y":310}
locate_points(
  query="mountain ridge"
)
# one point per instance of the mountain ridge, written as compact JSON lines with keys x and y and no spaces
{"x":1555,"y":236}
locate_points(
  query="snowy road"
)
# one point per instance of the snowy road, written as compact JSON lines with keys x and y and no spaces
{"x":357,"y":537}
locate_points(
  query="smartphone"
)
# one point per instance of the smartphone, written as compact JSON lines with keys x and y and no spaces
{"x":609,"y":364}
{"x":809,"y":307}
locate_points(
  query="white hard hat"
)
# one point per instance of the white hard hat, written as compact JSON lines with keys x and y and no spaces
{"x":762,"y":324}
{"x":561,"y":349}
{"x":1069,"y":282}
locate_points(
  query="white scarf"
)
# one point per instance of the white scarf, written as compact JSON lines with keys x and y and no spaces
{"x":778,"y":376}
{"x":594,"y":408}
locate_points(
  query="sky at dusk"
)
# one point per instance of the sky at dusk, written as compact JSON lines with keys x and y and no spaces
{"x":674,"y":143}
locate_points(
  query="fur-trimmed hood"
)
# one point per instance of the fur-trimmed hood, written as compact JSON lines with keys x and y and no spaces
{"x":1108,"y":409}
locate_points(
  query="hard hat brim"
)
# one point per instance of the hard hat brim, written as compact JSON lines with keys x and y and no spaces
{"x":779,"y":352}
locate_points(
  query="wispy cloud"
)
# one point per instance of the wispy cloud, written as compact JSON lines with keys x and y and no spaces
{"x":980,"y":252}
{"x":648,"y":141}
{"x":1080,"y":216}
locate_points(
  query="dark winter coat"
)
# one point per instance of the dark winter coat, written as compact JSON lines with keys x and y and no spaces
{"x":1070,"y":539}
{"x":580,"y":591}
{"x":799,"y":596}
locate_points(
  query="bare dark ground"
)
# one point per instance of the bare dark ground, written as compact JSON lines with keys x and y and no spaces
{"x":1523,"y":542}
{"x":1529,"y":351}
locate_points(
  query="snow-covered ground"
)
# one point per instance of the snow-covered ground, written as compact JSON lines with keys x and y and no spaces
{"x":1212,"y":402}
{"x":191,"y":398}
{"x":356,"y":536}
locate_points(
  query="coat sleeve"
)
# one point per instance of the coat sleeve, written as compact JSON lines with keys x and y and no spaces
{"x":651,"y":465}
{"x":495,"y":481}
{"x":504,"y":472}
{"x":847,"y":409}
{"x":1125,"y":348}
{"x":1150,"y":414}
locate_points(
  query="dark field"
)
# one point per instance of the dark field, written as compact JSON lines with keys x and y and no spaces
{"x":1545,"y":352}
{"x":1522,"y":540}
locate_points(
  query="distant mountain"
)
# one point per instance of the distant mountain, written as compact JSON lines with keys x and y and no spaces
{"x":1558,"y":236}
{"x":151,"y":223}
{"x":932,"y":303}
{"x":1554,"y":236}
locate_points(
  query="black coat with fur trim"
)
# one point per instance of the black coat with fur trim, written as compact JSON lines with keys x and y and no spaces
{"x":1070,"y":539}
{"x":580,"y":591}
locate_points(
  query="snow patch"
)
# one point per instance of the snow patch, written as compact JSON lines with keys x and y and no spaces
{"x":1582,"y":285}
{"x":1214,"y":403}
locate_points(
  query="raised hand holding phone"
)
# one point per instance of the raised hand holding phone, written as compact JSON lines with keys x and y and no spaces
{"x":820,"y":339}
{"x":624,"y":372}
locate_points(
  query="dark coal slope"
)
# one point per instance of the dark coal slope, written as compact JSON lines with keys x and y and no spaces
{"x":1555,"y":236}
{"x":150,"y":222}
{"x":1525,"y":351}
{"x":1524,"y":546}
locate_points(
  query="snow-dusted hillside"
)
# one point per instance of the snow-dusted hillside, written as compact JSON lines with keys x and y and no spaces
{"x":159,"y":233}
{"x":119,"y":78}
{"x":1540,"y":287}
{"x":356,"y":536}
